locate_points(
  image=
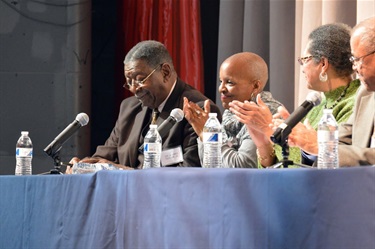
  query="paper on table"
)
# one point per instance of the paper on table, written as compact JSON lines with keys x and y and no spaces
{"x":86,"y":168}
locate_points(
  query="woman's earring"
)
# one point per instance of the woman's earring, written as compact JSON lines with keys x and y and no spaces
{"x":252,"y":96}
{"x":323,"y":77}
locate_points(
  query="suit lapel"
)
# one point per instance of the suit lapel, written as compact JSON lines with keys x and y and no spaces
{"x":364,"y":121}
{"x":172,"y":102}
{"x":136,"y":135}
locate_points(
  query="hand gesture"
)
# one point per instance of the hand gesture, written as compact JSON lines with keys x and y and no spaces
{"x":196,"y":116}
{"x":256,"y":116}
{"x":303,"y":135}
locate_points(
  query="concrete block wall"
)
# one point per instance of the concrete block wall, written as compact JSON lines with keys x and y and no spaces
{"x":45,"y":77}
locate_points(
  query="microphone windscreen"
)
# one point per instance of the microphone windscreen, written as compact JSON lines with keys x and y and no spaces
{"x":82,"y":118}
{"x":178,"y":114}
{"x":314,"y":97}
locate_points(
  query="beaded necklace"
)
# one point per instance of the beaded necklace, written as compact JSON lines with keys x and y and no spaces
{"x":342,"y":95}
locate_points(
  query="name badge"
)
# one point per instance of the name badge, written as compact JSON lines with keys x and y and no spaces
{"x":172,"y":156}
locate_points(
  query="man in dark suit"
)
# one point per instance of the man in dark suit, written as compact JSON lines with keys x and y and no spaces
{"x":150,"y":75}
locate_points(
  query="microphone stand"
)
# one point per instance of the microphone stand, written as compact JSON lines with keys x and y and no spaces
{"x":57,"y":168}
{"x":285,"y":153}
{"x":57,"y":163}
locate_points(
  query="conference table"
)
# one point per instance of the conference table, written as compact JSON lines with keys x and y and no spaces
{"x":191,"y":208}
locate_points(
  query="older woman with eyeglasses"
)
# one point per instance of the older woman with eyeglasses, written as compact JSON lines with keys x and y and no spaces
{"x":356,"y":135}
{"x":327,"y":69}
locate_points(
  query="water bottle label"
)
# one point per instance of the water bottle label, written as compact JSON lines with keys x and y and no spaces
{"x":212,"y":137}
{"x":152,"y":147}
{"x":24,"y":152}
{"x":326,"y":136}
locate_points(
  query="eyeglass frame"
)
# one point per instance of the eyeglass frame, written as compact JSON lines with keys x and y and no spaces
{"x":359,"y":60}
{"x":140,"y":82}
{"x":303,"y":60}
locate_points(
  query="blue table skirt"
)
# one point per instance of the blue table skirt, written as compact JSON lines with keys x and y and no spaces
{"x":191,"y":208}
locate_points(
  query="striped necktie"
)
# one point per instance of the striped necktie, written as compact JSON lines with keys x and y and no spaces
{"x":155,"y":115}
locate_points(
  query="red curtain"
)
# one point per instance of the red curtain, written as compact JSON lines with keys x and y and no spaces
{"x":175,"y":23}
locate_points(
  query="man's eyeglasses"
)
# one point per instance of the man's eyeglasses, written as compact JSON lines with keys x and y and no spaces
{"x":136,"y":83}
{"x":359,"y":60}
{"x":303,"y":60}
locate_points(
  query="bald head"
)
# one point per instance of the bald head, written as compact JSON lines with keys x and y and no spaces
{"x":250,"y":66}
{"x":365,"y":33}
{"x":242,"y":77}
{"x":363,"y":50}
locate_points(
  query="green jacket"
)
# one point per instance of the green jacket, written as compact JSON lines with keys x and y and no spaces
{"x":342,"y":110}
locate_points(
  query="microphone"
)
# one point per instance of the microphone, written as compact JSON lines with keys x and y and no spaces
{"x":54,"y":147}
{"x":280,"y":135}
{"x":176,"y":116}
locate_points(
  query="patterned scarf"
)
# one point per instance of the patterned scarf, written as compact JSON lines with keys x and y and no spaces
{"x":234,"y":132}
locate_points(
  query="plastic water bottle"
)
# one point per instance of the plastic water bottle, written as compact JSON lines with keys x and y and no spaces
{"x":328,"y":134}
{"x":212,"y":142}
{"x":152,"y":148}
{"x":24,"y":154}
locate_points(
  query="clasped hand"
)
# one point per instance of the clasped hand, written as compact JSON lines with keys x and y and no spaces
{"x":303,"y":135}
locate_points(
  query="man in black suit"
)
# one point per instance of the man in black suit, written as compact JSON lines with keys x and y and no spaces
{"x":150,"y":75}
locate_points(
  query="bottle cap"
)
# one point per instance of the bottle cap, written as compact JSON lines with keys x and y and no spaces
{"x":153,"y":126}
{"x":327,"y":111}
{"x":25,"y":133}
{"x":212,"y":114}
